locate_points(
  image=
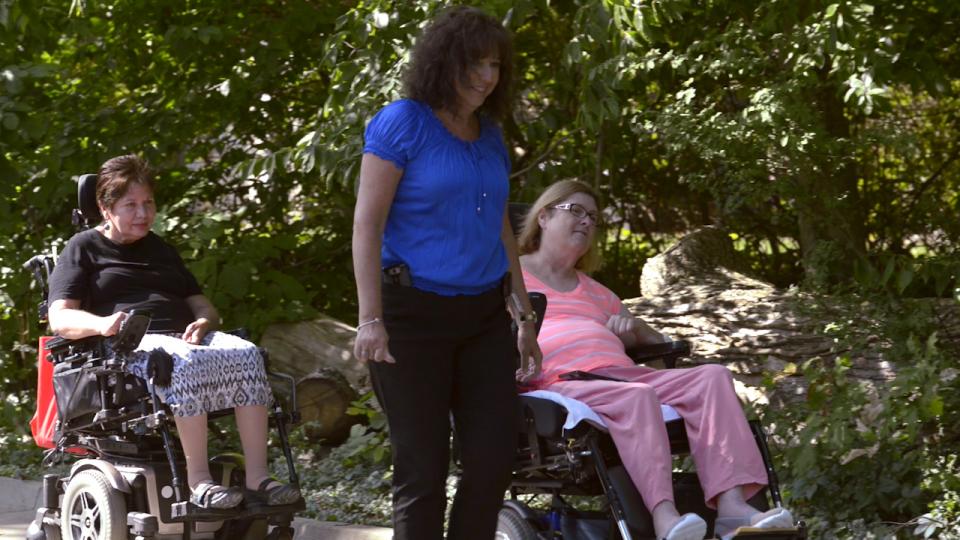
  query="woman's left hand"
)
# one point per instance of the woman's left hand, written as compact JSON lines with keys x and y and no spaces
{"x":530,"y":356}
{"x":196,"y":330}
{"x":622,"y":325}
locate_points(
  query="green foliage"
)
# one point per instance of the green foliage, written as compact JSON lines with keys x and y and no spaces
{"x":347,"y":483}
{"x":907,"y":276}
{"x":19,"y":458}
{"x":368,"y":441}
{"x":622,"y":254}
{"x":797,"y":126}
{"x":852,"y":451}
{"x":943,"y":520}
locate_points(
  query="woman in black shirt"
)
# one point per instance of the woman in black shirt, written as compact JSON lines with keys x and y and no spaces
{"x":106,"y":272}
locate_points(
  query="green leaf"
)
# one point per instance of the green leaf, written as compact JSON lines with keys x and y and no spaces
{"x":888,"y":271}
{"x":935,"y":407}
{"x":234,"y":280}
{"x":904,"y":278}
{"x":10,"y":121}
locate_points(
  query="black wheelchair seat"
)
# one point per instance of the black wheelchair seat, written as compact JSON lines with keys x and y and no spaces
{"x":547,"y":416}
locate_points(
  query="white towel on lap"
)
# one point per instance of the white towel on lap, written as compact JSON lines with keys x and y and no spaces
{"x":578,"y":411}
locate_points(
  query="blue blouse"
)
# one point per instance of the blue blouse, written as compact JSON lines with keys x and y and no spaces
{"x":447,"y":214}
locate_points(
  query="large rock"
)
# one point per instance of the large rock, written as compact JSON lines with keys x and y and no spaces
{"x":700,"y":290}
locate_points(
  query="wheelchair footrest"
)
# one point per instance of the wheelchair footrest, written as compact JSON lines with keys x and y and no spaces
{"x":267,"y":510}
{"x":185,"y":511}
{"x":749,"y":533}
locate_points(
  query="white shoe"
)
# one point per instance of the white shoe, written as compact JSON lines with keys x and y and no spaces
{"x":776,"y":518}
{"x":690,"y":527}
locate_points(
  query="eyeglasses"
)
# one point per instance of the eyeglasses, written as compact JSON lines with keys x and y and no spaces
{"x":579,"y":212}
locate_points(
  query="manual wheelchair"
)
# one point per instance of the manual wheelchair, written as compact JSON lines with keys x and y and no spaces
{"x":561,"y":460}
{"x":128,"y":481}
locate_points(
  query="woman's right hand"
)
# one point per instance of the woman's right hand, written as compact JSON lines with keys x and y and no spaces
{"x":371,"y":344}
{"x":110,"y":325}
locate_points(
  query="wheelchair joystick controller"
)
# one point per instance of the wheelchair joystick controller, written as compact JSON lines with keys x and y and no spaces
{"x":132,"y":330}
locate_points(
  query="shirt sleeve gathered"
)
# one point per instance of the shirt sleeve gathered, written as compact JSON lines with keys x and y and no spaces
{"x":69,"y":278}
{"x":394,"y":133}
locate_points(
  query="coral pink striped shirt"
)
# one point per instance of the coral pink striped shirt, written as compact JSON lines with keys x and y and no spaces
{"x":574,"y":335}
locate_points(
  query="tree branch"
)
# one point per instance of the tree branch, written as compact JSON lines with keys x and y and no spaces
{"x":550,"y":148}
{"x":915,"y":200}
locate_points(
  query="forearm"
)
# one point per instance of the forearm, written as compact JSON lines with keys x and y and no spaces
{"x":378,"y":184}
{"x":211,"y":316}
{"x":367,"y":241}
{"x":75,"y":323}
{"x":204,"y":310}
{"x":516,"y":274}
{"x":642,"y":335}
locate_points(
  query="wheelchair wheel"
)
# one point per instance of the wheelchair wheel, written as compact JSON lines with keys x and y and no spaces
{"x":92,"y":509}
{"x":512,"y":526}
{"x":281,"y":533}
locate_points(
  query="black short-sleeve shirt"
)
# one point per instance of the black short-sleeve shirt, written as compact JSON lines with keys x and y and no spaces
{"x":107,"y":277}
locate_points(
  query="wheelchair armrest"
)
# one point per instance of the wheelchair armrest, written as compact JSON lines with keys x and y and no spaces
{"x":241,"y":333}
{"x":62,"y":349}
{"x":668,"y":352}
{"x":57,"y":344}
{"x":289,"y":379}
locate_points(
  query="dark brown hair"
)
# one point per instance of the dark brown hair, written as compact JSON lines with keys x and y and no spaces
{"x":117,"y":174}
{"x":556,"y":193}
{"x":456,"y":38}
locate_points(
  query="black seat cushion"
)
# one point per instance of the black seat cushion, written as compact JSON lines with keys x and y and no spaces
{"x":548,"y":416}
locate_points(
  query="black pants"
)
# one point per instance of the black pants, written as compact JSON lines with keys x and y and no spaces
{"x":454,"y":355}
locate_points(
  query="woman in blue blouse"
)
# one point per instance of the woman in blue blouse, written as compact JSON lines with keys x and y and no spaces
{"x":434,"y":258}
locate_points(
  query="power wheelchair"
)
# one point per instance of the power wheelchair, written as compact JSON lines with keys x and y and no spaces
{"x":129,"y":479}
{"x":581,"y":460}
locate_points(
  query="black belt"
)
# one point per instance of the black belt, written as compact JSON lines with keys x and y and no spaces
{"x":399,"y":274}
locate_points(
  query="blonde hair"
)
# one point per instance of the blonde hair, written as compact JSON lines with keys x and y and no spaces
{"x":529,"y":239}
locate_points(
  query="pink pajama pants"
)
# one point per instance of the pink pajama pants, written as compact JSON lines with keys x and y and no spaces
{"x":721,"y":442}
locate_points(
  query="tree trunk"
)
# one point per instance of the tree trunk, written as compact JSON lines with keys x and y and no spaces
{"x":323,"y":398}
{"x":830,"y":212}
{"x":304,"y":347}
{"x":319,"y":355}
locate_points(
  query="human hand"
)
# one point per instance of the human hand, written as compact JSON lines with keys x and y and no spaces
{"x":110,"y":325}
{"x":531,"y":359}
{"x":623,"y":325}
{"x":371,"y":344}
{"x":196,"y":330}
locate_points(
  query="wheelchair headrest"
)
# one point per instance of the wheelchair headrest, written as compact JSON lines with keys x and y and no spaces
{"x":87,"y":199}
{"x":517,"y":212}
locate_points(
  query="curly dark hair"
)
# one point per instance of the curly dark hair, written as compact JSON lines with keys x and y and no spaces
{"x":456,"y":38}
{"x":116,"y":176}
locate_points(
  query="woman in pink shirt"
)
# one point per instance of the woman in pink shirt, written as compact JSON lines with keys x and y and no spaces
{"x":587,"y":328}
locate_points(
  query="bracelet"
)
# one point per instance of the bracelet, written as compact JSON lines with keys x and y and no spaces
{"x":368,"y":323}
{"x":521,"y":316}
{"x":527,"y":317}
